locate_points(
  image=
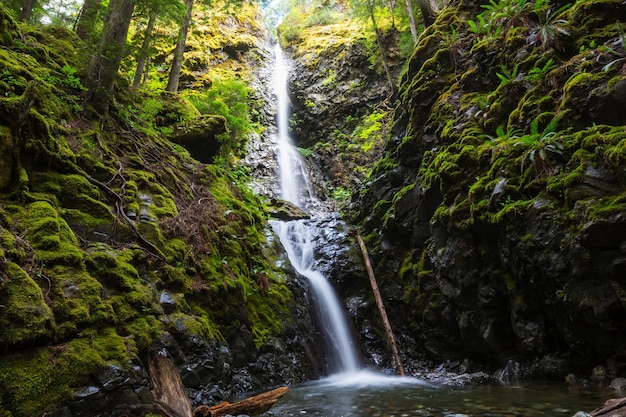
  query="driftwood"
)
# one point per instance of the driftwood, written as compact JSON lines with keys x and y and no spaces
{"x":612,"y":408}
{"x":391,"y":340}
{"x":250,"y":406}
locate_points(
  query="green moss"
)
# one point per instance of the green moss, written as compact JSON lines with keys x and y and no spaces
{"x":50,"y":235}
{"x":128,"y":294}
{"x":577,"y":90}
{"x":268,"y":309}
{"x":408,"y":268}
{"x":39,"y":380}
{"x":25,"y":315}
{"x":142,"y":332}
{"x":606,"y":207}
{"x":77,"y":298}
{"x":199,"y":325}
{"x":68,"y":188}
{"x":511,"y":210}
{"x":9,"y":30}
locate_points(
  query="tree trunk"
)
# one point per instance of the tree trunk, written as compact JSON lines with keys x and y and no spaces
{"x":381,"y":48}
{"x":87,"y":18}
{"x":391,"y":340}
{"x":145,"y":51}
{"x":172,"y":82}
{"x":27,"y":10}
{"x":428,"y":13}
{"x":105,"y":63}
{"x":412,"y":25}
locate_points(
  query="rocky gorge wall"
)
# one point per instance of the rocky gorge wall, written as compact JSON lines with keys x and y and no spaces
{"x":496,"y":217}
{"x":340,"y":98}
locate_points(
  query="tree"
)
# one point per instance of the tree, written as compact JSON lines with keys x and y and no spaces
{"x":87,"y":18}
{"x":144,"y":51}
{"x":381,"y":48}
{"x":412,"y":25}
{"x":428,"y":12}
{"x":174,"y":79}
{"x":27,"y":10}
{"x":367,"y":10}
{"x":166,"y":12}
{"x":105,"y":63}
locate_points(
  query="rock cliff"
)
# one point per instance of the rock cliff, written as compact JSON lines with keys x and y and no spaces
{"x":340,"y":98}
{"x":497,"y":215}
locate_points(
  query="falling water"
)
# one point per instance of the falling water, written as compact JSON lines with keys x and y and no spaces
{"x":297,"y":235}
{"x":295,"y":185}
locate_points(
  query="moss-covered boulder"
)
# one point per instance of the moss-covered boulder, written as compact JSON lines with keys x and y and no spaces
{"x":201,"y":136}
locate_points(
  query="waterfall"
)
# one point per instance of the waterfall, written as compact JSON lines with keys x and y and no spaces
{"x":295,"y":185}
{"x":297,"y":235}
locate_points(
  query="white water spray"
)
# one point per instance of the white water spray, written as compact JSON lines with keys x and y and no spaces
{"x":297,"y":235}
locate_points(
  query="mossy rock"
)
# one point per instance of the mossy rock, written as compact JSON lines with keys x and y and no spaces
{"x":593,"y":14}
{"x":200,"y":136}
{"x":25,"y":317}
{"x":77,"y":299}
{"x":49,"y":234}
{"x":126,"y":292}
{"x":58,"y":47}
{"x":39,"y":380}
{"x":9,"y":30}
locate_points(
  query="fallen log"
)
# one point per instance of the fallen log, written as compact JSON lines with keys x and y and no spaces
{"x":615,"y":407}
{"x":170,"y":398}
{"x":252,"y":406}
{"x":168,"y":389}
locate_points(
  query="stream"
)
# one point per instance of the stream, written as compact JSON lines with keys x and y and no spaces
{"x":351,"y":390}
{"x":329,"y":398}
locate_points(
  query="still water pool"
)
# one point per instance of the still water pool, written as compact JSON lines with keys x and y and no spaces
{"x":403,"y":397}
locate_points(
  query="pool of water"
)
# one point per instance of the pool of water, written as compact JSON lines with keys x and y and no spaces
{"x":369,"y":395}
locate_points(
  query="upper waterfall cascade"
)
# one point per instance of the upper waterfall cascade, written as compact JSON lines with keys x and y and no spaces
{"x":295,"y":185}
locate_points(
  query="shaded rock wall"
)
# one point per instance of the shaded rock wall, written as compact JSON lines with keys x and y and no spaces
{"x":497,"y":216}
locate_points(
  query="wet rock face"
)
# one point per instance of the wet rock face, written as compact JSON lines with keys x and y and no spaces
{"x":323,"y":95}
{"x":333,"y":87}
{"x":500,"y":255}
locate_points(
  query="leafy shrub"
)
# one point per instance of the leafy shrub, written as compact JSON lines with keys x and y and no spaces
{"x":228,"y":98}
